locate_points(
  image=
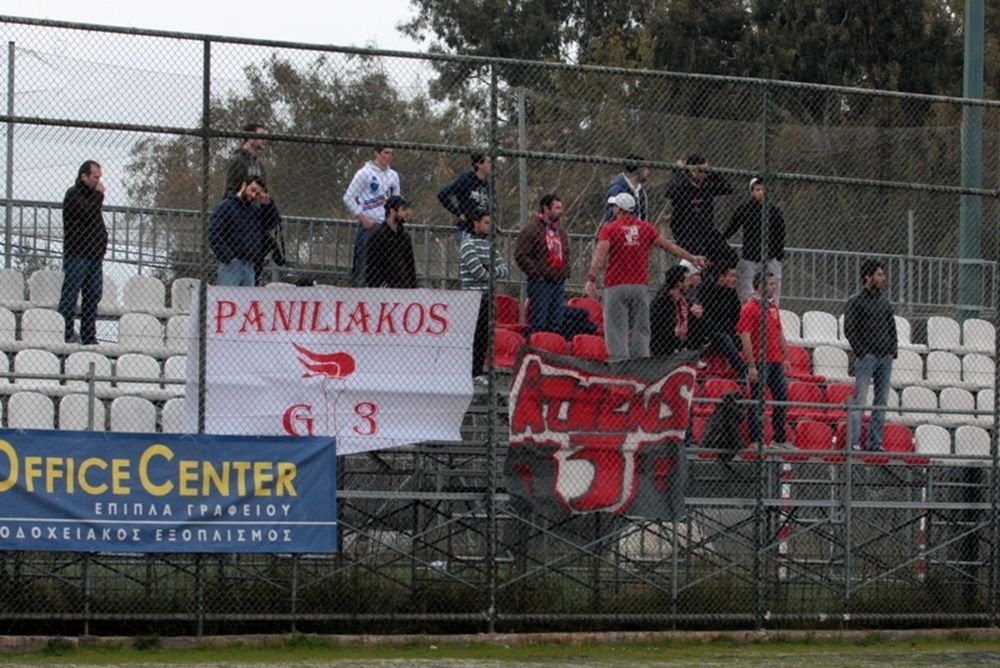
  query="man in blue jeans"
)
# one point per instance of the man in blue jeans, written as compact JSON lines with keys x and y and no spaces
{"x":85,"y":241}
{"x":870,"y":327}
{"x":767,"y":361}
{"x":541,"y":250}
{"x":236,"y":230}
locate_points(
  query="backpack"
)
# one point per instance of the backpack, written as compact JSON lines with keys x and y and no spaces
{"x":722,"y":431}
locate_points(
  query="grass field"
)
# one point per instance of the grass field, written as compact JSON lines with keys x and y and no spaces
{"x":866,"y":651}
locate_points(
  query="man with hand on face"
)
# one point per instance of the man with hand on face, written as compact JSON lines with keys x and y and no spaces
{"x":85,"y":241}
{"x":390,"y":261}
{"x":242,"y":164}
{"x":236,"y":230}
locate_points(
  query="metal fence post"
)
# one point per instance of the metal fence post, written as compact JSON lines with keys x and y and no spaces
{"x":8,"y":230}
{"x":203,"y":270}
{"x":994,"y":575}
{"x":760,"y":356}
{"x":491,"y":432}
{"x":91,"y":395}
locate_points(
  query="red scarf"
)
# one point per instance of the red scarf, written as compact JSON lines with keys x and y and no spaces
{"x":553,"y":243}
{"x":681,"y":326}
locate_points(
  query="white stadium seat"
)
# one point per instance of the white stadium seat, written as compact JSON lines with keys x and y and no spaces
{"x":979,"y":336}
{"x":943,"y":333}
{"x":133,"y":414}
{"x":44,"y":288}
{"x":74,"y":412}
{"x":30,"y":410}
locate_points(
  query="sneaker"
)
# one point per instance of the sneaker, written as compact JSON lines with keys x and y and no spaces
{"x":702,"y":364}
{"x":480,"y":381}
{"x":783,"y":445}
{"x":857,"y":447}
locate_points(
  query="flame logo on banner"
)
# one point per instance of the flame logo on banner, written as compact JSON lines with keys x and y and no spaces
{"x":330,"y":367}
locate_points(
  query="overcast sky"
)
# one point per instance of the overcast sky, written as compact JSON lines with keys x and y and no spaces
{"x":66,"y":75}
{"x":336,"y":22}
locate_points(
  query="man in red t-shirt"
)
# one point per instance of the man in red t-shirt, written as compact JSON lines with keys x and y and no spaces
{"x":771,"y":358}
{"x":624,"y":245}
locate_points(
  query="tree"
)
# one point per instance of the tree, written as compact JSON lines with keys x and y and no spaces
{"x":319,"y":102}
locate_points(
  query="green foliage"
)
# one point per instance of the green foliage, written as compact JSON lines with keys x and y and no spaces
{"x":59,"y":647}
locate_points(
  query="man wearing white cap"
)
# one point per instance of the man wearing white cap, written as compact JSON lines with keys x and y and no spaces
{"x":623,"y":244}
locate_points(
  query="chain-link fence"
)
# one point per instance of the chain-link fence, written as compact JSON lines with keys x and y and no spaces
{"x":510,"y":524}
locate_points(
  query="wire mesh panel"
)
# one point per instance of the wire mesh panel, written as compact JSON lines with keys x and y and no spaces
{"x":376,"y":247}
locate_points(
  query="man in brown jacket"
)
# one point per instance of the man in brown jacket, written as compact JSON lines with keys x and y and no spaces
{"x":542,"y":253}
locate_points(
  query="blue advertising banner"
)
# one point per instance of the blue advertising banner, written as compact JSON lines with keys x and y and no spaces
{"x":113,"y":492}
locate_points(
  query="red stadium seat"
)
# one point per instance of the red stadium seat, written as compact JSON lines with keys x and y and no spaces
{"x":801,"y":364}
{"x":508,"y":314}
{"x":899,"y":438}
{"x":839,"y":394}
{"x":716,"y":365}
{"x":591,"y":347}
{"x":814,"y":436}
{"x":550,"y":341}
{"x":595,"y":312}
{"x":806,"y":393}
{"x":507,"y":345}
{"x":713,"y":388}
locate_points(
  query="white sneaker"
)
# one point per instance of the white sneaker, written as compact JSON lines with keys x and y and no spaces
{"x":783,"y":445}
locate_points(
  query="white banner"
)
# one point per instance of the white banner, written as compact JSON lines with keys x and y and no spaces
{"x":375,"y":368}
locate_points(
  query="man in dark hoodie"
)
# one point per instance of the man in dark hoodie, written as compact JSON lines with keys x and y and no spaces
{"x":390,"y":262}
{"x":721,"y":311}
{"x":85,"y":241}
{"x":468,"y":193}
{"x":870,"y":326}
{"x":242,"y":164}
{"x":236,"y":229}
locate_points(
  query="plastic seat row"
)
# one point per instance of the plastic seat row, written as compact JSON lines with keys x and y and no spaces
{"x":933,"y":444}
{"x":508,"y":312}
{"x":33,"y":410}
{"x":137,"y":332}
{"x":508,"y":342}
{"x":143,"y":294}
{"x":819,"y":328}
{"x":943,"y":369}
{"x":132,"y":374}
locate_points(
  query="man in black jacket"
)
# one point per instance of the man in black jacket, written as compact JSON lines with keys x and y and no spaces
{"x":468,"y":193}
{"x":390,"y":262}
{"x":692,"y":191}
{"x":748,"y":218}
{"x":85,"y":241}
{"x":720,"y":313}
{"x":870,"y":327}
{"x":243,"y":164}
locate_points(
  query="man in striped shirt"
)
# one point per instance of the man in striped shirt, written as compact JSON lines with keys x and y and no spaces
{"x":475,"y":275}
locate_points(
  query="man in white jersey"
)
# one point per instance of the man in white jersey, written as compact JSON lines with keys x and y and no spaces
{"x":371,"y":186}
